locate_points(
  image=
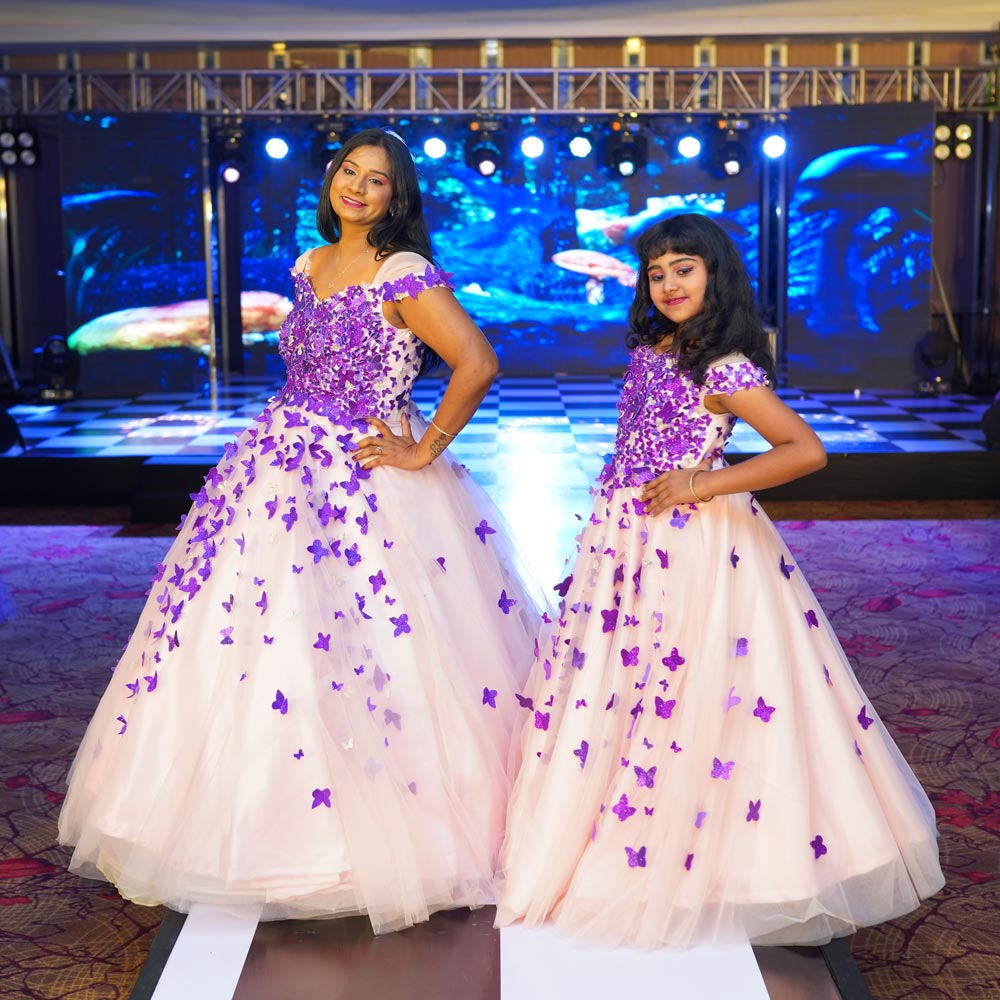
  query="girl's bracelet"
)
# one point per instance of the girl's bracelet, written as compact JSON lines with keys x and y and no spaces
{"x":692,"y":489}
{"x":440,"y":431}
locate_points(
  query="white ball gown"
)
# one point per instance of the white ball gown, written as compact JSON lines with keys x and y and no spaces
{"x":314,"y":712}
{"x":699,"y":762}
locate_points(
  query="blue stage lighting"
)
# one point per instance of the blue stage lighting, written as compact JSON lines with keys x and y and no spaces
{"x":689,"y":146}
{"x":435,"y":147}
{"x":230,"y":171}
{"x":774,"y":146}
{"x":276,"y":147}
{"x":580,"y":146}
{"x":532,"y":146}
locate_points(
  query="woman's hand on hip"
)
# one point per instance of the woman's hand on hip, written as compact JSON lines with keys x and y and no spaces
{"x":386,"y":448}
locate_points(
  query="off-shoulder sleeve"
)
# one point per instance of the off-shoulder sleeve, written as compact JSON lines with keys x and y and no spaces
{"x":406,"y":275}
{"x":731,"y":374}
{"x":301,"y":264}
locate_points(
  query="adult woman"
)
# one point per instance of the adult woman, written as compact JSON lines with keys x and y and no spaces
{"x":314,"y":712}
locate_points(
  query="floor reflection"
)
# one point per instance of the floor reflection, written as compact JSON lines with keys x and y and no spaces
{"x":453,"y":956}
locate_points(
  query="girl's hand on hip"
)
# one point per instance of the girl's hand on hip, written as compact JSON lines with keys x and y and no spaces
{"x":386,"y":448}
{"x":672,"y":489}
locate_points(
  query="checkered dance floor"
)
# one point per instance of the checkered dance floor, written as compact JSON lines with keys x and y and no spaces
{"x":569,"y":416}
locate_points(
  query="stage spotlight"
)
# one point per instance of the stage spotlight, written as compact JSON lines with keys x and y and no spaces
{"x":435,"y":147}
{"x":57,"y":370}
{"x":963,"y":143}
{"x":942,"y":151}
{"x":276,"y":147}
{"x":689,"y":146}
{"x":731,"y":158}
{"x":532,"y":146}
{"x":942,"y":133}
{"x":18,"y":146}
{"x":774,"y":145}
{"x":484,"y":150}
{"x":626,"y":153}
{"x":230,"y":171}
{"x":580,"y":146}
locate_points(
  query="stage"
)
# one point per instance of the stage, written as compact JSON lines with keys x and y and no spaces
{"x":150,"y":451}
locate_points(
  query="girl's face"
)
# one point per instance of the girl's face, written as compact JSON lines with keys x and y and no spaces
{"x":361,"y":190}
{"x":677,"y":284}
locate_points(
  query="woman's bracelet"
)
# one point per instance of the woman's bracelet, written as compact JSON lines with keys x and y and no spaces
{"x":692,"y":489}
{"x":440,"y":431}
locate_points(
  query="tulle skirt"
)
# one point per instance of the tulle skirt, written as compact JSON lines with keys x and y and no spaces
{"x":698,"y":761}
{"x":315,"y":710}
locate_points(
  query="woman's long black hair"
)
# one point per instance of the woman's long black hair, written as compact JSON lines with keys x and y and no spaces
{"x":727,"y":323}
{"x":403,"y":227}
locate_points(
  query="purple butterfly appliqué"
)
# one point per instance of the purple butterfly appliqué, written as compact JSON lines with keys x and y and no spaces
{"x":811,"y":620}
{"x":581,"y":752}
{"x":563,"y":587}
{"x":720,"y":770}
{"x":541,"y":720}
{"x":402,"y":624}
{"x":787,"y":569}
{"x":763,"y":711}
{"x":610,"y":620}
{"x":733,"y":557}
{"x":679,"y":520}
{"x":636,"y":859}
{"x":630,"y":657}
{"x":280,"y":703}
{"x":505,"y":603}
{"x":742,"y":646}
{"x":321,"y":797}
{"x":644,"y":778}
{"x":664,"y":709}
{"x":489,"y":697}
{"x":483,"y":529}
{"x":322,"y":641}
{"x":623,"y":810}
{"x":864,"y":718}
{"x":819,"y":848}
{"x":753,"y":811}
{"x":524,"y":702}
{"x":664,"y":558}
{"x":578,"y":658}
{"x":674,"y":660}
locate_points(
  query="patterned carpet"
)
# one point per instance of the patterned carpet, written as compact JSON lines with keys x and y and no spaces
{"x":916,"y":604}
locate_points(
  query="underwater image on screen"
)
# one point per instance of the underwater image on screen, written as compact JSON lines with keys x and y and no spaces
{"x":542,"y":253}
{"x":859,"y":245}
{"x":134,"y":249}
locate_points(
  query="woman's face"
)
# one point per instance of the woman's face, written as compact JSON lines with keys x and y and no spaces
{"x":361,"y":191}
{"x":677,"y":285}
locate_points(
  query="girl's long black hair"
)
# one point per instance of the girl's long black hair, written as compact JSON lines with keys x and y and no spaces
{"x":403,"y":227}
{"x":727,"y":323}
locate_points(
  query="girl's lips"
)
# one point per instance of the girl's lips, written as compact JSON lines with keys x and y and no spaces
{"x":351,"y":203}
{"x":675,"y":302}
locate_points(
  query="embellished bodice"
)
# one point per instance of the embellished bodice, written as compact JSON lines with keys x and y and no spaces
{"x":344,"y":359}
{"x":662,"y":419}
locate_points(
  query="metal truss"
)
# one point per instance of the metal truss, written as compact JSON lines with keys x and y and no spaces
{"x":582,"y":92}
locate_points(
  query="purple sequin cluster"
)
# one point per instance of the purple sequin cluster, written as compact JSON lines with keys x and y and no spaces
{"x":662,"y":420}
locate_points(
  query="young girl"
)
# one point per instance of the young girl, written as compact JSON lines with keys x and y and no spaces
{"x":700,"y":764}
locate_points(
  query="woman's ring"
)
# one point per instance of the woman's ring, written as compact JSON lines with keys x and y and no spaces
{"x":378,"y":450}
